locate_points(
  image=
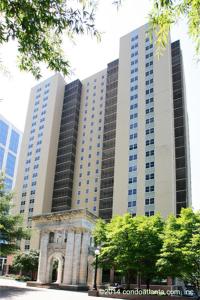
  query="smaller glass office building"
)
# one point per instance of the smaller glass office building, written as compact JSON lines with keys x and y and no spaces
{"x":10,"y":142}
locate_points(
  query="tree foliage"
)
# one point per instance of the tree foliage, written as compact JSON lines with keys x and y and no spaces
{"x":38,"y":28}
{"x":11,"y":227}
{"x":165,"y":13}
{"x":130,"y":245}
{"x":26,"y":262}
{"x":151,"y":246}
{"x":180,"y":254}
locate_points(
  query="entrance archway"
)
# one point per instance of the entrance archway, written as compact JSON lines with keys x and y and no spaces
{"x":54,"y":275}
{"x":55,"y":268}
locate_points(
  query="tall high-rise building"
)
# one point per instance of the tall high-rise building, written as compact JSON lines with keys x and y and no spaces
{"x":10,"y":142}
{"x":112,"y":143}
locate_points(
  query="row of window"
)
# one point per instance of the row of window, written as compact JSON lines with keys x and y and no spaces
{"x":39,"y":142}
{"x":133,"y":121}
{"x":149,"y":213}
{"x":98,"y":145}
{"x":30,"y":201}
{"x":132,"y":203}
{"x":86,"y":201}
{"x":30,"y":210}
{"x":148,"y":131}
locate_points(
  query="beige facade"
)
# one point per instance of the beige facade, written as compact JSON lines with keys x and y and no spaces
{"x":87,"y":173}
{"x":164,"y":157}
{"x":39,"y":150}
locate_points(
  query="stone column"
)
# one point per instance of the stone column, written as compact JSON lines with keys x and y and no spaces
{"x":41,"y":278}
{"x":112,"y":275}
{"x":59,"y":276}
{"x":84,"y":258}
{"x":90,"y":278}
{"x":99,"y":276}
{"x":76,"y":258}
{"x":67,"y":277}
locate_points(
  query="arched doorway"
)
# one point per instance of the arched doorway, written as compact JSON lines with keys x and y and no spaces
{"x":54,"y":275}
{"x":55,"y":268}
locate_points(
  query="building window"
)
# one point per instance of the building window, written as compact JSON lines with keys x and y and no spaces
{"x":1,"y":157}
{"x":4,"y":132}
{"x":8,"y":184}
{"x":149,"y":213}
{"x":10,"y":164}
{"x":51,"y":237}
{"x":14,"y":141}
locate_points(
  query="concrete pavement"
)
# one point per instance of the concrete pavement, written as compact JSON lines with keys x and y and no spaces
{"x":13,"y":290}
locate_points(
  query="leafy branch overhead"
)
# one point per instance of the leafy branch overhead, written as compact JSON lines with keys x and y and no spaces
{"x":165,"y":13}
{"x":38,"y":27}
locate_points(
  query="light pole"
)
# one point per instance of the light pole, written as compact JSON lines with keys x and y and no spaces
{"x":97,"y":252}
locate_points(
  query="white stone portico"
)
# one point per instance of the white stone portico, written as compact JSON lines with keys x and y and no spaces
{"x":66,"y":238}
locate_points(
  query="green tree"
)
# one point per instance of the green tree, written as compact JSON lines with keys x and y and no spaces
{"x":39,"y":28}
{"x":131,"y":245}
{"x":165,"y":13}
{"x":26,"y":262}
{"x":11,"y":227}
{"x":180,"y":254}
{"x":99,"y":233}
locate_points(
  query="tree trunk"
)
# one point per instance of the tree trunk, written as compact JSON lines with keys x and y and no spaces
{"x":148,"y":284}
{"x":139,"y":280}
{"x":128,"y":283}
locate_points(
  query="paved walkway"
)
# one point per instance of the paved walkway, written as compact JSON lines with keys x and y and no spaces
{"x":13,"y":290}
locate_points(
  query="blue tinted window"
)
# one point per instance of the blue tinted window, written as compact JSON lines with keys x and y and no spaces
{"x":14,"y":141}
{"x":3,"y":132}
{"x":8,"y":184}
{"x":10,"y":164}
{"x":1,"y":157}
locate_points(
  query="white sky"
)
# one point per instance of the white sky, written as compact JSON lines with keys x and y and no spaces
{"x":88,"y":57}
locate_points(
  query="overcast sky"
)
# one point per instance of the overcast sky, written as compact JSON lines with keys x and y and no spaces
{"x":88,"y":57}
